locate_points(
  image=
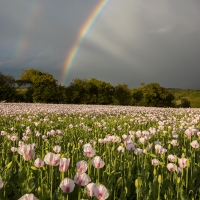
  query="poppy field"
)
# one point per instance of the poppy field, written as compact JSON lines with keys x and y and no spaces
{"x":68,"y":152}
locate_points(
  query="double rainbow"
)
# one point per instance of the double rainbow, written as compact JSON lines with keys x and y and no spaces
{"x":82,"y":33}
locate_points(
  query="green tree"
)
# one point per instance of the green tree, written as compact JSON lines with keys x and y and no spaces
{"x":41,"y":87}
{"x":45,"y":89}
{"x":61,"y":94}
{"x":77,"y":91}
{"x":137,"y":96}
{"x":157,"y":96}
{"x":122,"y":94}
{"x":185,"y":103}
{"x":7,"y":88}
{"x":93,"y":90}
{"x":100,"y":92}
{"x":106,"y":93}
{"x":193,"y":96}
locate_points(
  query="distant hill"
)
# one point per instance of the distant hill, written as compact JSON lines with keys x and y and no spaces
{"x":191,"y":95}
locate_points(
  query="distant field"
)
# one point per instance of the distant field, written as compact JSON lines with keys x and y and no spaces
{"x":192,"y":95}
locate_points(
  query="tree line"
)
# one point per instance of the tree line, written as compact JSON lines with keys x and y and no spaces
{"x":35,"y":86}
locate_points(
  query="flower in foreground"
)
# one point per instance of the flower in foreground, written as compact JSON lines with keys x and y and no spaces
{"x":57,"y":148}
{"x":101,"y":192}
{"x":27,"y":151}
{"x":88,"y":150}
{"x":155,"y":162}
{"x":141,"y":140}
{"x":28,"y":197}
{"x":194,"y":144}
{"x":91,"y":187}
{"x":39,"y":163}
{"x":14,"y":138}
{"x":52,"y":159}
{"x":138,"y":151}
{"x":189,"y":132}
{"x":81,"y":179}
{"x":82,"y":166}
{"x":130,"y":146}
{"x":64,"y":164}
{"x":20,"y":143}
{"x":171,"y":158}
{"x":174,"y":135}
{"x":14,"y":149}
{"x":67,"y":185}
{"x":174,"y":143}
{"x":120,"y":149}
{"x":171,"y":167}
{"x":25,"y":138}
{"x":97,"y":162}
{"x":182,"y":162}
{"x":158,"y":147}
{"x":163,"y":150}
{"x":3,"y":133}
{"x":179,"y":170}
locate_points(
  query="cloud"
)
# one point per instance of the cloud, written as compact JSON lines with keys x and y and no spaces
{"x":130,"y":41}
{"x":7,"y":62}
{"x":163,"y":30}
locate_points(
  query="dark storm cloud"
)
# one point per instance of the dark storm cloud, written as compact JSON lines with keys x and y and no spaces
{"x":157,"y":41}
{"x":130,"y":42}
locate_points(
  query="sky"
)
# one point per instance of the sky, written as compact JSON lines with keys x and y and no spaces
{"x":116,"y":41}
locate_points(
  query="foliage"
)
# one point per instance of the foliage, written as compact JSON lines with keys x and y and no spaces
{"x":184,"y":103}
{"x":90,"y":91}
{"x":77,"y":92}
{"x":122,"y":94}
{"x":42,"y":87}
{"x":137,"y":96}
{"x":7,"y":88}
{"x":29,"y":76}
{"x":100,"y":91}
{"x":193,"y":96}
{"x":156,"y":96}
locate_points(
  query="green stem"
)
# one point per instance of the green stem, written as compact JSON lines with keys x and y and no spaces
{"x":98,"y":174}
{"x":27,"y":188}
{"x":79,"y":193}
{"x":41,"y":181}
{"x":137,"y":193}
{"x":186,"y":180}
{"x":177,"y":193}
{"x":181,"y":189}
{"x":51,"y":182}
{"x":158,"y":191}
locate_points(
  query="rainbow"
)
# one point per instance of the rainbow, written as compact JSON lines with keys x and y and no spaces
{"x":82,"y":33}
